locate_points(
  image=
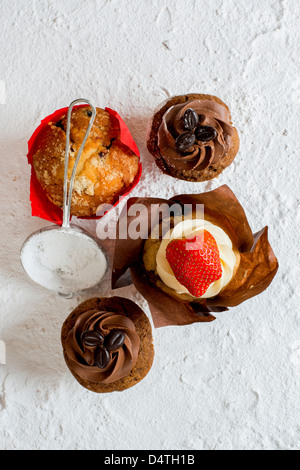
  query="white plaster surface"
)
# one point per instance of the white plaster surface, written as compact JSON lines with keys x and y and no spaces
{"x":229,"y":385}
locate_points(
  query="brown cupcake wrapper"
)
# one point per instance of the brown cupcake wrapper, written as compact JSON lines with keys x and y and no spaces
{"x":257,"y":268}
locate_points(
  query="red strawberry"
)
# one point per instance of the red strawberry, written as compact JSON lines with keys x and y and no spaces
{"x":195,"y":262}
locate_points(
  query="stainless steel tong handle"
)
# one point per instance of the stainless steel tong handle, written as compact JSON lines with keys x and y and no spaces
{"x":68,"y":185}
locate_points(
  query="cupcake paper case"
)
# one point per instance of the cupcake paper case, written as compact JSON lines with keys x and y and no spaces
{"x":257,"y":267}
{"x":41,"y":205}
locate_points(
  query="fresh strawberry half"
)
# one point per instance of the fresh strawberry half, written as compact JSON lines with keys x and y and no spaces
{"x":195,"y":262}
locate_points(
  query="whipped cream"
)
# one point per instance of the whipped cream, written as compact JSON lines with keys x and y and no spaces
{"x":186,"y":229}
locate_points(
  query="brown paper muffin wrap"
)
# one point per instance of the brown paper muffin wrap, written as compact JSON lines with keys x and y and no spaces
{"x":257,"y":268}
{"x":121,"y":307}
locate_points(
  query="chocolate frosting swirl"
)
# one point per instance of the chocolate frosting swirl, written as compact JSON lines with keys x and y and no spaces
{"x":82,"y":357}
{"x":202,"y":154}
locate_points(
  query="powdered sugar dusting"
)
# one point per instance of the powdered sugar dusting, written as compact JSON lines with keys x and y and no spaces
{"x":65,"y":261}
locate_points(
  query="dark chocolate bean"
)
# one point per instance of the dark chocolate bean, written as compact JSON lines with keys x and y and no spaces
{"x":205,"y":133}
{"x":102,"y":358}
{"x":111,"y":142}
{"x":115,"y":340}
{"x":92,"y":339}
{"x":185,"y":141}
{"x":59,"y":124}
{"x":190,"y":119}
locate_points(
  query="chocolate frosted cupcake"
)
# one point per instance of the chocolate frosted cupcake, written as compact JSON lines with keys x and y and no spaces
{"x":107,"y":344}
{"x":192,"y":138}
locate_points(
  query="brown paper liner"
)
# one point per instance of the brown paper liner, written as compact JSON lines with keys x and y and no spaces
{"x":257,"y":268}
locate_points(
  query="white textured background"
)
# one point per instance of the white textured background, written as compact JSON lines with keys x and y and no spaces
{"x":232,"y":384}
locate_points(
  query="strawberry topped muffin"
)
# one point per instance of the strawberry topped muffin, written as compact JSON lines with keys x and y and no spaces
{"x":196,"y":259}
{"x":194,"y":264}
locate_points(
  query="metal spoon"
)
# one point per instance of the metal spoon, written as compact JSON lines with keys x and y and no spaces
{"x":65,"y":259}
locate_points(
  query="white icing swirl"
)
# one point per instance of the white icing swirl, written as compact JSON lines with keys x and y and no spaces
{"x":188,"y":228}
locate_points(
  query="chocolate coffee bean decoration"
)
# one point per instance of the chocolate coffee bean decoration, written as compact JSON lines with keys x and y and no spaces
{"x":102,"y":358}
{"x":115,"y":340}
{"x":205,"y":133}
{"x":92,"y":339}
{"x":190,"y":119}
{"x":185,"y":141}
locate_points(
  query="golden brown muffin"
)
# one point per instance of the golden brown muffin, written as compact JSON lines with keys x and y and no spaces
{"x":107,"y":344}
{"x":106,"y":168}
{"x":192,"y":138}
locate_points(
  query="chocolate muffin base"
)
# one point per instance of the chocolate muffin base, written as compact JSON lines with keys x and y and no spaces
{"x":207,"y":174}
{"x":143,"y":328}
